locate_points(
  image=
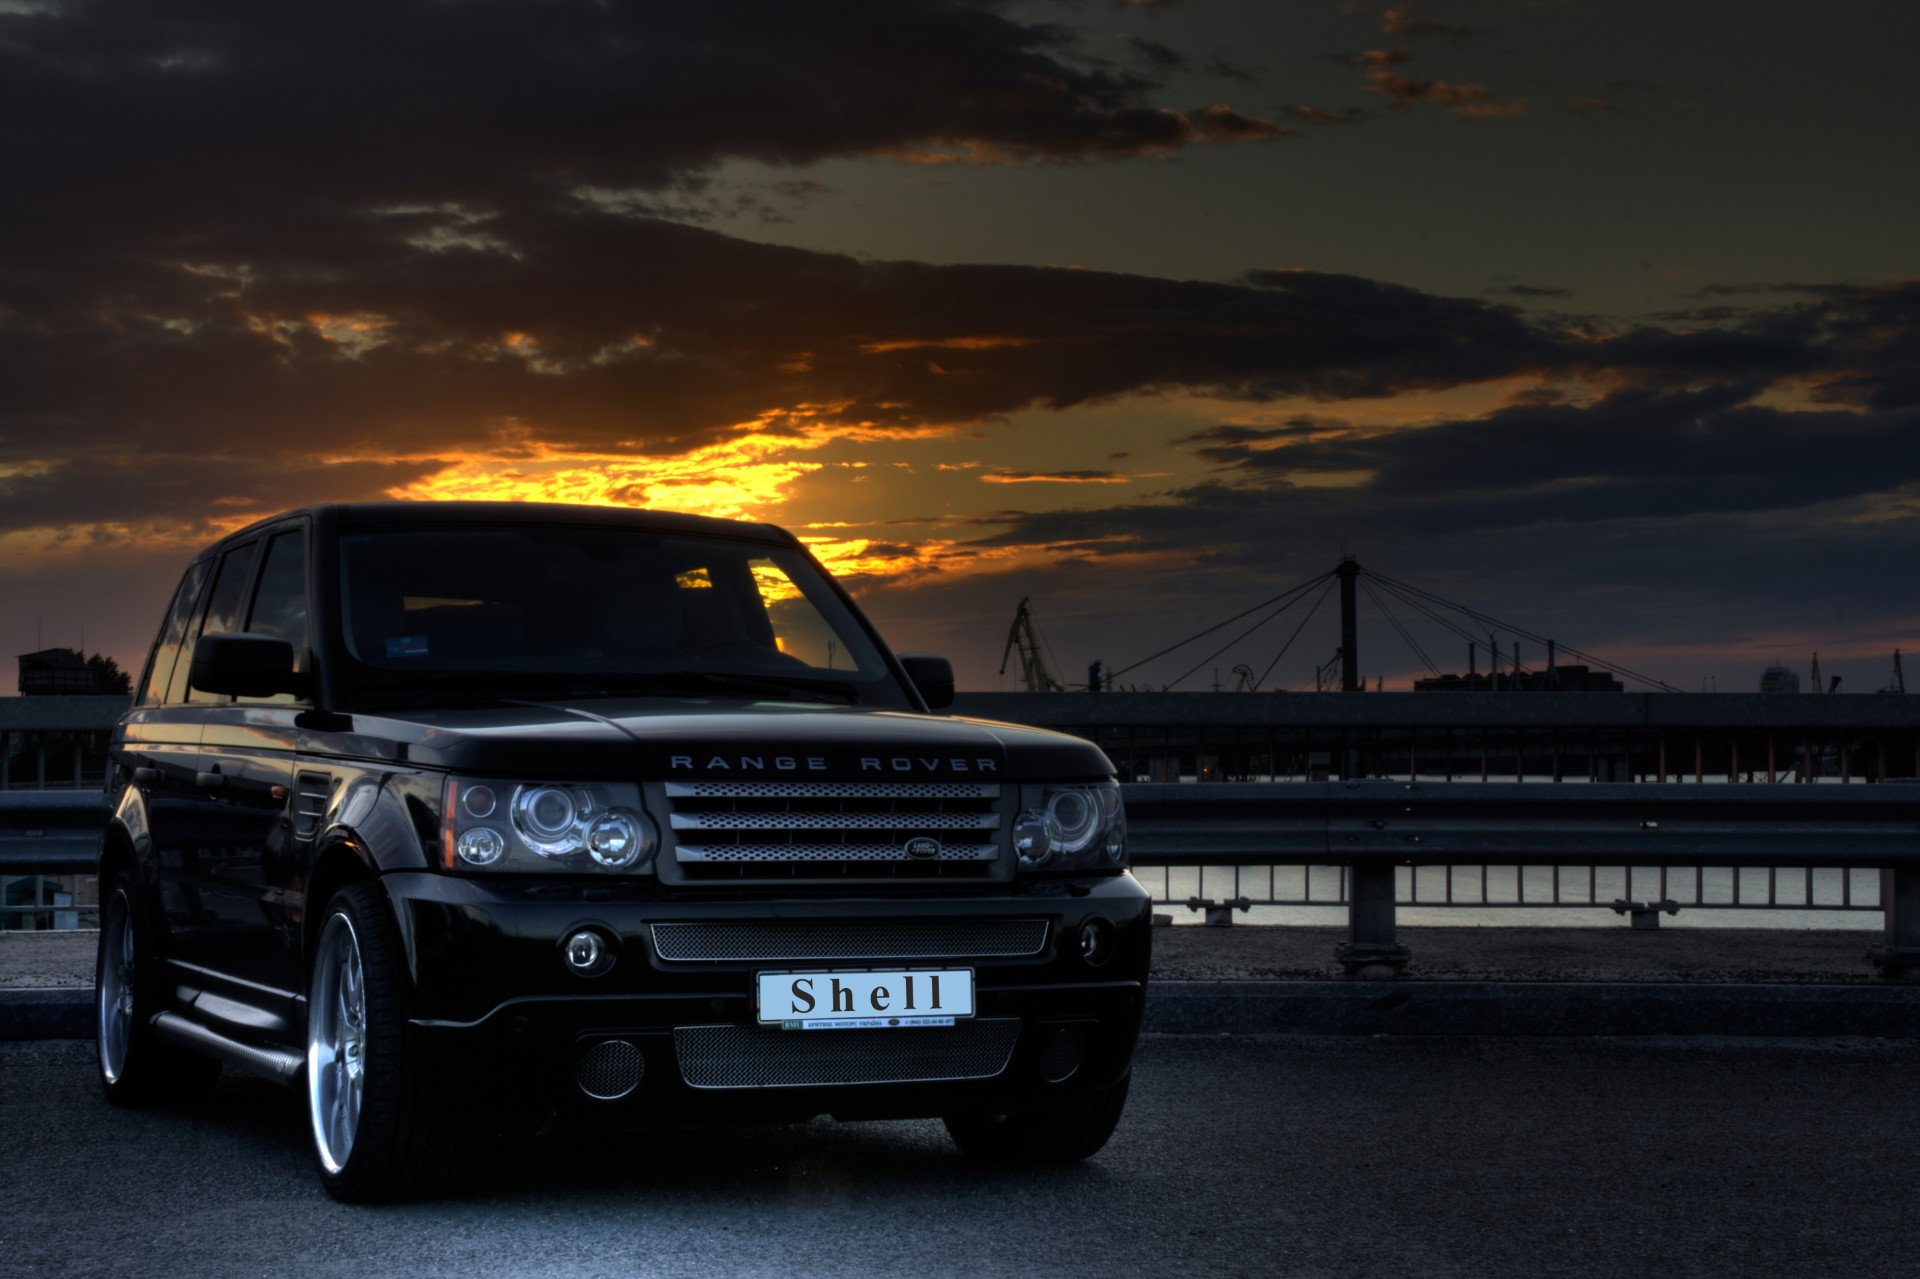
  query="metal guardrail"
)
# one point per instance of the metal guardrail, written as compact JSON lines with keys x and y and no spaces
{"x":1379,"y":834}
{"x":50,"y":832}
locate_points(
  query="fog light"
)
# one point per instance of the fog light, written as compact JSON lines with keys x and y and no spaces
{"x":1096,"y":942}
{"x":586,"y":954}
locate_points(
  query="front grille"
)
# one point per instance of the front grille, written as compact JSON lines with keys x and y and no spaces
{"x":782,"y":940}
{"x":833,"y":831}
{"x":758,"y":1057}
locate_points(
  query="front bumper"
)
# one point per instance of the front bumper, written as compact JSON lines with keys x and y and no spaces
{"x":503,"y":1016}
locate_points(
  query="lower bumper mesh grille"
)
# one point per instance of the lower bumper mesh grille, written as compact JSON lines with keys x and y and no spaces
{"x":759,"y":1057}
{"x":807,"y":939}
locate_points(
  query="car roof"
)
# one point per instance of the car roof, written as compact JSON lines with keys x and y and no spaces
{"x":424,"y":514}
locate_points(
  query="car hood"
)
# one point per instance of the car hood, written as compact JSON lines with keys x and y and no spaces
{"x":697,"y":739}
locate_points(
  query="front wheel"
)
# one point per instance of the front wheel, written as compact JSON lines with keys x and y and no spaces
{"x":1064,"y":1134}
{"x":137,"y":1067}
{"x":379,"y":1133}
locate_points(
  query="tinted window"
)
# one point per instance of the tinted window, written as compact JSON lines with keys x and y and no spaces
{"x":173,"y":632}
{"x":596,"y":600}
{"x":280,"y":601}
{"x":224,"y":605}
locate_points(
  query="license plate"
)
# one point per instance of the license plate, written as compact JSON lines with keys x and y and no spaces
{"x":865,"y":1000}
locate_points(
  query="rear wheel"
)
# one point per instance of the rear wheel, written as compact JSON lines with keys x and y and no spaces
{"x":1064,"y":1134}
{"x":137,"y":1067}
{"x":379,"y":1131}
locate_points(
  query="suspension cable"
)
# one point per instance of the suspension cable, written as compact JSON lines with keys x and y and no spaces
{"x":1291,"y":638}
{"x":1387,"y":613}
{"x":1298,"y":590}
{"x":1236,"y":639}
{"x":1489,"y":619}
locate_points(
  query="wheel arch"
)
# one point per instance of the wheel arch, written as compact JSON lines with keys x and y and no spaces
{"x":342,"y":860}
{"x":116,"y":855}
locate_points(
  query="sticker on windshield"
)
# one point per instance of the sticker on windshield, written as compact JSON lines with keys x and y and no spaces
{"x":407,"y":646}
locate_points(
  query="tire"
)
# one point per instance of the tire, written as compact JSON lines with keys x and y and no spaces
{"x":1065,"y":1134}
{"x":379,"y":1131}
{"x":136,"y":1066}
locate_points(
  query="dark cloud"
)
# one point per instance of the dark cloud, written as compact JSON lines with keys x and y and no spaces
{"x":1635,"y":453}
{"x":1469,"y":101}
{"x":1233,"y":444}
{"x":1528,"y":291}
{"x":1053,"y":477}
{"x":1370,"y":59}
{"x":1632,"y":458}
{"x":1161,"y":58}
{"x":890,"y":551}
{"x":1837,"y":291}
{"x":1856,"y":345}
{"x":1319,"y":115}
{"x":1225,"y":69}
{"x":630,"y":334}
{"x":137,"y":134}
{"x":1402,"y":22}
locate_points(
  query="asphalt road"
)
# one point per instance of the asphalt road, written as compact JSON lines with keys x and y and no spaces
{"x":1346,"y":1158}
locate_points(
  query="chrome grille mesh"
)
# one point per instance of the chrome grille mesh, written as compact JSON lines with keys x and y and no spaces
{"x":840,"y":820}
{"x":786,"y":940}
{"x":757,"y":1057}
{"x":828,"y":853}
{"x":832,"y":790}
{"x":785,"y":831}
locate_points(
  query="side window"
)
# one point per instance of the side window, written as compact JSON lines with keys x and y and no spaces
{"x":173,"y":633}
{"x":224,"y":607}
{"x":280,"y":601}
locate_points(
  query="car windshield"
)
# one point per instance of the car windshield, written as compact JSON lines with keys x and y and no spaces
{"x":545,"y":611}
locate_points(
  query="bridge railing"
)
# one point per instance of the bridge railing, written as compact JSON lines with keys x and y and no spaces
{"x":1378,"y":835}
{"x":1382,"y":836}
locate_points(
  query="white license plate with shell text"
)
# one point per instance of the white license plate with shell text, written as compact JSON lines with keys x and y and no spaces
{"x":844,"y":1000}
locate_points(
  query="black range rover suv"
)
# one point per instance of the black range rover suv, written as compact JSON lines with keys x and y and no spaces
{"x":463,"y":816}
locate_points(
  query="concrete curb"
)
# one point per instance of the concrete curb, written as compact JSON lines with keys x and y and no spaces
{"x":59,"y":1012}
{"x":1380,"y":1008}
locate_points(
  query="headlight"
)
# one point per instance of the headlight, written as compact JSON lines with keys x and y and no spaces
{"x":1071,"y":828}
{"x":545,"y":826}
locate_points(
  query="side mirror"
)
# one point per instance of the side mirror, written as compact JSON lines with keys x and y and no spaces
{"x":244,"y":664}
{"x":932,"y":675}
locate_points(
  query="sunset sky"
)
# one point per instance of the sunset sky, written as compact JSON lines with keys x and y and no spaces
{"x":1602,"y":316}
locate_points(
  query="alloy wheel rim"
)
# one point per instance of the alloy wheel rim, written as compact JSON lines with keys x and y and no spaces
{"x":336,"y":1043}
{"x":116,"y":988}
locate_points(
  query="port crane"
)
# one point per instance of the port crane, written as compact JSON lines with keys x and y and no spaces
{"x":1033,"y":667}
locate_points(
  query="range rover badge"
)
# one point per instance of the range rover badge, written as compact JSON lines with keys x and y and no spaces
{"x":924,"y":848}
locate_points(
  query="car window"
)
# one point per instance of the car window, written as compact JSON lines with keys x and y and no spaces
{"x":173,"y":633}
{"x":224,"y":608}
{"x":557,"y":600}
{"x":280,"y":601}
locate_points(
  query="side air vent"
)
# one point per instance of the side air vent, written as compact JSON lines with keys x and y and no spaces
{"x":310,"y":794}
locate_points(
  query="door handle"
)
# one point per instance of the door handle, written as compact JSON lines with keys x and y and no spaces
{"x":209,"y":781}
